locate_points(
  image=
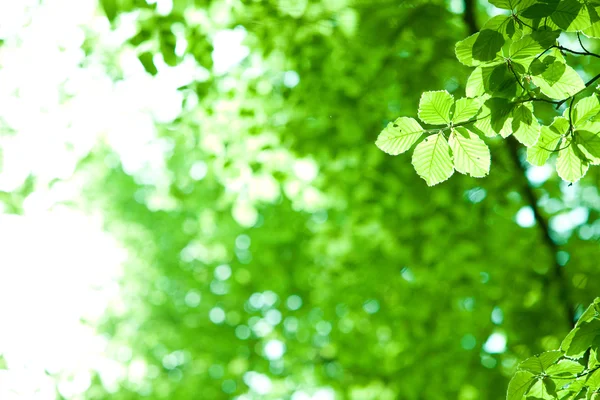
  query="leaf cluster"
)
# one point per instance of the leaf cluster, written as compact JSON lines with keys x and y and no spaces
{"x":518,"y":61}
{"x":572,"y":372}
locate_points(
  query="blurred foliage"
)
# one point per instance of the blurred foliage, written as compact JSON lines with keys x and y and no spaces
{"x":276,"y":253}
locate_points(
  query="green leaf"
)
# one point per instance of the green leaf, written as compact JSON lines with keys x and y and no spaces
{"x":480,"y":48}
{"x":432,"y":159}
{"x":571,"y":16}
{"x":585,"y":109}
{"x":581,"y":337}
{"x":475,"y":84}
{"x":525,"y":127}
{"x":554,"y":72}
{"x":546,"y":37}
{"x":552,"y":60}
{"x":510,"y":4}
{"x":495,"y":80}
{"x":434,"y":107}
{"x":483,"y":125}
{"x":505,"y":4}
{"x":593,"y":31}
{"x":542,"y":388}
{"x":399,"y":136}
{"x":524,"y":50}
{"x":465,"y":109}
{"x":594,"y":359}
{"x":495,"y":113}
{"x":570,"y":164}
{"x":550,"y":137}
{"x":587,"y":139}
{"x":487,"y":45}
{"x":520,"y":122}
{"x":519,"y":385}
{"x":590,"y":313}
{"x":558,"y":83}
{"x":471,"y":154}
{"x":538,"y":363}
{"x":540,"y":9}
{"x":505,"y":25}
{"x":565,"y":369}
{"x":464,"y":51}
{"x":593,"y":380}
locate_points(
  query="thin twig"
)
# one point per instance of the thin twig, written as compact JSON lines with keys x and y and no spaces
{"x":581,"y":53}
{"x":581,"y":43}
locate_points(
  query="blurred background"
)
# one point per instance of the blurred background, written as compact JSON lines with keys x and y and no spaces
{"x":192,"y":207}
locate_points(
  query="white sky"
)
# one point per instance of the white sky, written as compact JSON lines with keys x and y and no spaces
{"x":57,"y":265}
{"x":55,"y":268}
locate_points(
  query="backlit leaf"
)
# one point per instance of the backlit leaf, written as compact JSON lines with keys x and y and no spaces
{"x":434,"y":107}
{"x":465,"y":109}
{"x":519,"y":385}
{"x":560,"y":81}
{"x":570,"y":166}
{"x":399,"y":136}
{"x":585,"y":109}
{"x":550,"y":137}
{"x":471,"y":154}
{"x":432,"y":159}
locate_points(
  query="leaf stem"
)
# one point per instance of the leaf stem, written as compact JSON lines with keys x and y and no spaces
{"x":581,"y":43}
{"x":571,"y":114}
{"x":581,"y":53}
{"x":444,"y":128}
{"x":522,"y":22}
{"x":517,"y":77}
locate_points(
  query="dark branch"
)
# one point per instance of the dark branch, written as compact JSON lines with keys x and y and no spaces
{"x":581,"y":42}
{"x":529,"y":193}
{"x":557,"y":270}
{"x":581,"y":53}
{"x":469,"y":16}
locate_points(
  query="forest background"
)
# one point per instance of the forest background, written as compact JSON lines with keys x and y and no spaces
{"x":193,"y":207}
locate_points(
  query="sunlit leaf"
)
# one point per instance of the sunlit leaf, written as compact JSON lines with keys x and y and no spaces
{"x":524,"y":50}
{"x":519,"y":385}
{"x":588,"y":142}
{"x":580,"y":338}
{"x":471,"y":154}
{"x":465,"y":109}
{"x":432,"y":159}
{"x":565,"y":369}
{"x":487,"y":45}
{"x":524,"y":125}
{"x":571,"y":167}
{"x":571,"y":15}
{"x":399,"y":136}
{"x":543,"y":388}
{"x":434,"y":107}
{"x":550,"y":137}
{"x":585,"y":109}
{"x":559,"y":81}
{"x":539,"y":363}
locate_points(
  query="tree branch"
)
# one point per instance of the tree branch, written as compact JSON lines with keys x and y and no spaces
{"x":469,"y":16}
{"x":558,"y":274}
